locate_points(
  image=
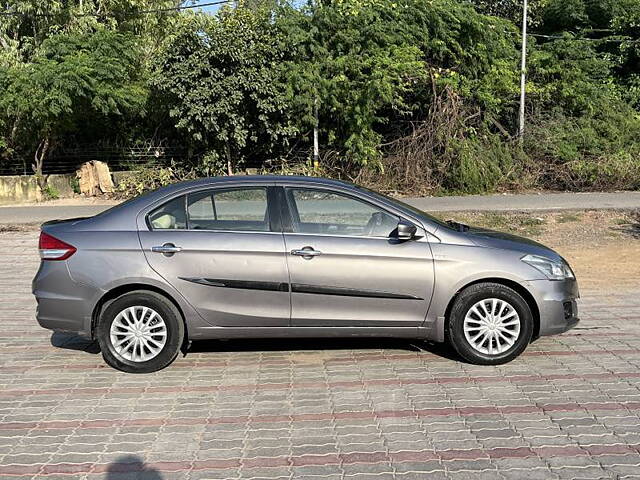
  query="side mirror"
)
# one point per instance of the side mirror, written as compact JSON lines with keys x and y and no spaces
{"x":405,"y":230}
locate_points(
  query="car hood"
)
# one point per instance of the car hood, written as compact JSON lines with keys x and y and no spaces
{"x":493,"y":239}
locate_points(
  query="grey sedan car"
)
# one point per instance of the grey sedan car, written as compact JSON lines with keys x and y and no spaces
{"x":268,"y":256}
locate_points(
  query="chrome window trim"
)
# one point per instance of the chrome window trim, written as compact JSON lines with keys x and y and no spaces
{"x":250,"y":232}
{"x":241,"y":182}
{"x":348,"y":236}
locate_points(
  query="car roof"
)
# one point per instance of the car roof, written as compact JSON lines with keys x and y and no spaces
{"x":254,"y":179}
{"x":232,"y":180}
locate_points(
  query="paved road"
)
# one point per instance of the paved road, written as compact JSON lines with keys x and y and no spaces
{"x":318,"y":410}
{"x":528,"y":202}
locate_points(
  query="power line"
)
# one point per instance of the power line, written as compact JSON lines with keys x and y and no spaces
{"x":563,"y":37}
{"x":222,"y":2}
{"x":117,"y":12}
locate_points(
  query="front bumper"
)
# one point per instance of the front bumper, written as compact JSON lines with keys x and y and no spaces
{"x":557,"y":304}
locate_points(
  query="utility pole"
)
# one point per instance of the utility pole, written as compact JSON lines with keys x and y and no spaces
{"x":316,"y":146}
{"x":523,"y":70}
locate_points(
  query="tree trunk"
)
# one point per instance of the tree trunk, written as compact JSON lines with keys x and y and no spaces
{"x":229,"y":163}
{"x":39,"y":157}
{"x":316,"y":146}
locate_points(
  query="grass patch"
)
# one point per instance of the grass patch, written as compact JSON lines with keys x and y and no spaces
{"x":569,"y":217}
{"x":516,"y":223}
{"x":532,"y":225}
{"x":497,"y":221}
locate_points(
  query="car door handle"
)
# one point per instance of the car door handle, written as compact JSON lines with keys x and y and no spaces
{"x":167,"y":248}
{"x":306,"y":252}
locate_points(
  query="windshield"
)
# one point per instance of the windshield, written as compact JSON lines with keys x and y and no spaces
{"x":406,"y":206}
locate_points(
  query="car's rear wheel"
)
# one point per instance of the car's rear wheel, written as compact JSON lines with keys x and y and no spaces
{"x":140,"y":332}
{"x":490,"y":324}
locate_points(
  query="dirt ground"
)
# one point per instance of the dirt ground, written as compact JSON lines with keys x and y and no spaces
{"x":602,"y":246}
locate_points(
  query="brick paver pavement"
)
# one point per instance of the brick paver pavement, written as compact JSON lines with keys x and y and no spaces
{"x":321,"y":409}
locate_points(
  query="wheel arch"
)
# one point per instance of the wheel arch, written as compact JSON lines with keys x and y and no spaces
{"x":517,"y":287}
{"x":120,"y":290}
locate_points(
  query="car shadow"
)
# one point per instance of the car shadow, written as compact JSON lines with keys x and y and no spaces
{"x":322,"y":344}
{"x":74,"y":342}
{"x":131,"y":467}
{"x":70,"y":341}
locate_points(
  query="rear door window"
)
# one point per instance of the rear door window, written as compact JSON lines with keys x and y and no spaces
{"x":240,"y":209}
{"x":169,"y":216}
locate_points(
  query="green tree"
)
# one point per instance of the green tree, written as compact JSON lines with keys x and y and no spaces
{"x":371,"y":66}
{"x":613,"y":32}
{"x":352,"y":64}
{"x":222,"y":79}
{"x":73,"y":80}
{"x":625,"y":23}
{"x":38,"y":37}
{"x":569,"y":73}
{"x":512,"y":10}
{"x":32,"y":21}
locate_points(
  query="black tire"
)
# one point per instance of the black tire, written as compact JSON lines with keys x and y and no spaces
{"x":172,"y":319}
{"x":466,"y":300}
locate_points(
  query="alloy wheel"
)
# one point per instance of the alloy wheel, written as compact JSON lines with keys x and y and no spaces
{"x":492,"y":326}
{"x":138,"y":333}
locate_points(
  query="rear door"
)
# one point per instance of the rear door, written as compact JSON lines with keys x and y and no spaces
{"x":347,"y":269}
{"x":222,"y":249}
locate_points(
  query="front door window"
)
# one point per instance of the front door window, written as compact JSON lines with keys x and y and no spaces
{"x":330,"y":213}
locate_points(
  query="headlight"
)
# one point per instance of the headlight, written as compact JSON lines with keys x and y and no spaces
{"x":552,"y":269}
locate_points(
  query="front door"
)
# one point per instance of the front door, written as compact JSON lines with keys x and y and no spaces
{"x":217,"y":248}
{"x":345,"y":268}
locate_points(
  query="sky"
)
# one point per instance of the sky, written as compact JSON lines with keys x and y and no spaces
{"x":213,"y":8}
{"x":209,"y":9}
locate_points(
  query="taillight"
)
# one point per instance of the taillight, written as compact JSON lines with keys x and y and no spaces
{"x":53,"y":249}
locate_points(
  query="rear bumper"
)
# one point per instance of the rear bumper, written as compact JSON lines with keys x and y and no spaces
{"x":557,"y":305}
{"x":63,"y":305}
{"x":47,"y":318}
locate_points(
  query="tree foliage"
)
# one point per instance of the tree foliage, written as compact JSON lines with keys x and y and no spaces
{"x":369,"y":66}
{"x":72,"y":79}
{"x":424,"y":91}
{"x":227,"y":87}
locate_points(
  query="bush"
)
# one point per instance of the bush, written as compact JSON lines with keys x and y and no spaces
{"x":151,"y":177}
{"x":50,"y":192}
{"x":591,"y":152}
{"x":75,"y":185}
{"x":620,"y":171}
{"x":487,"y":164}
{"x":450,"y":152}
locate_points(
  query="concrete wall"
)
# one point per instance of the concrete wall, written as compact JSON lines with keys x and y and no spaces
{"x":24,"y":188}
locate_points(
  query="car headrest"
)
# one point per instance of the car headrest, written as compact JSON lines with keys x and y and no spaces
{"x":164,"y":221}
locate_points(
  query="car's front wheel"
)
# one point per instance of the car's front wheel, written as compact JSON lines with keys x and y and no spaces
{"x":140,"y":332}
{"x":490,"y":324}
